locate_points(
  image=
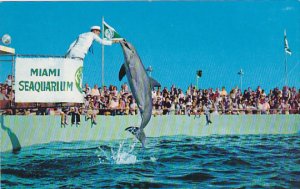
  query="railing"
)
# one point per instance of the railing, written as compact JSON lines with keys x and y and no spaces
{"x":12,"y":108}
{"x":32,"y":55}
{"x":7,"y":104}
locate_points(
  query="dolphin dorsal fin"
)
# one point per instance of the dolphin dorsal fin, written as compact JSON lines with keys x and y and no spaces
{"x":122,"y":72}
{"x":154,"y":83}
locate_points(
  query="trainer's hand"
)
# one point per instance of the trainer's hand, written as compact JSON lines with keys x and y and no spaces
{"x":118,"y":40}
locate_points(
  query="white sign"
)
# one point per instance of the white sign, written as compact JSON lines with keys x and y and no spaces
{"x":48,"y":80}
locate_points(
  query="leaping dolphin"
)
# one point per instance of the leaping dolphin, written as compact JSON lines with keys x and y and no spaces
{"x":141,"y":85}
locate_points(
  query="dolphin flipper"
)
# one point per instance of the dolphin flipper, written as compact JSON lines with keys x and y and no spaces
{"x":122,"y":72}
{"x":154,"y":83}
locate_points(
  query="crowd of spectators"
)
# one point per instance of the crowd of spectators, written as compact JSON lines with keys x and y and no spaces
{"x":111,"y":101}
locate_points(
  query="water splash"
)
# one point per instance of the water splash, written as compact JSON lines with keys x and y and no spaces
{"x":124,"y":155}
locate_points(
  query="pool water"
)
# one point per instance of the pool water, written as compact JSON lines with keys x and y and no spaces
{"x":245,"y":161}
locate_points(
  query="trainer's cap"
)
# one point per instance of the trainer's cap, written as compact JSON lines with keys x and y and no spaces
{"x":95,"y":28}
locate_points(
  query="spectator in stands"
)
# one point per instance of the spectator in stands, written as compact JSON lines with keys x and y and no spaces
{"x":294,"y":106}
{"x":165,"y":91}
{"x":154,"y":94}
{"x":272,"y":106}
{"x":121,"y":106}
{"x":182,"y":107}
{"x":181,"y":96}
{"x":206,"y":110}
{"x":250,"y":102}
{"x":265,"y":106}
{"x":104,"y":91}
{"x":188,"y":106}
{"x":226,"y":103}
{"x":172,"y":109}
{"x":3,"y":95}
{"x":87,"y":89}
{"x":173,"y":90}
{"x":64,"y":118}
{"x":113,"y":105}
{"x":133,"y":107}
{"x":286,"y":94}
{"x":234,"y":105}
{"x":9,"y":81}
{"x":114,"y":91}
{"x":91,"y":111}
{"x":223,"y":92}
{"x":241,"y":106}
{"x":249,"y":107}
{"x":216,"y":108}
{"x":177,"y":108}
{"x":263,"y":94}
{"x":95,"y":91}
{"x":233,"y":94}
{"x":293,"y":93}
{"x":285,"y":107}
{"x":247,"y":95}
{"x":126,"y":87}
{"x":166,"y":106}
{"x":159,"y":95}
{"x":158,"y":110}
{"x":127,"y":108}
{"x":75,"y":116}
{"x":276,"y":107}
{"x":124,"y":90}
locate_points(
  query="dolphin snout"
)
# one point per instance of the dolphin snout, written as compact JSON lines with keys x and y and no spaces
{"x":124,"y":44}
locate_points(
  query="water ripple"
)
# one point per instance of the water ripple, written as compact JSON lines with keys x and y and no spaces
{"x":235,"y":161}
{"x":193,"y":177}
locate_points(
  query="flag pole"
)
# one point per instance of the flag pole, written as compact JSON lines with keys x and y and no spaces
{"x":286,"y":74}
{"x":285,"y":58}
{"x":102,"y":52}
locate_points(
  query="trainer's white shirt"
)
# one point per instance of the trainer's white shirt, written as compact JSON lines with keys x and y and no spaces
{"x":80,"y":47}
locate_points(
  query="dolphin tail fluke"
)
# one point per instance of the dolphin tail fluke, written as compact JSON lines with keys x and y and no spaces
{"x":133,"y":130}
{"x":138,"y":133}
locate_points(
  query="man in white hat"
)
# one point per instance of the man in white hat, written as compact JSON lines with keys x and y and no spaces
{"x":79,"y":48}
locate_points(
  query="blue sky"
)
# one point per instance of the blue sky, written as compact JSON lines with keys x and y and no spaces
{"x":175,"y":38}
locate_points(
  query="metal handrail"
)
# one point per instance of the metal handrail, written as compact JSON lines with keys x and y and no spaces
{"x":31,"y":55}
{"x":60,"y":105}
{"x":39,"y":55}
